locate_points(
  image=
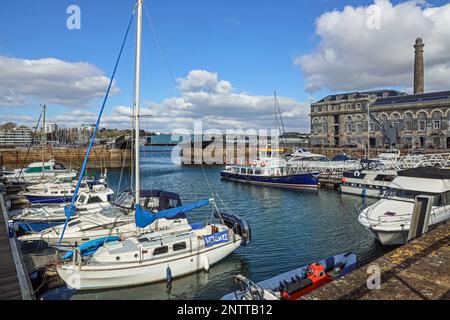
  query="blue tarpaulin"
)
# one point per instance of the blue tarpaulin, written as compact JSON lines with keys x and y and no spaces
{"x":144,"y":218}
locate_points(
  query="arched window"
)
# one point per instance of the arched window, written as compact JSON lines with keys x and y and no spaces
{"x":409,"y":121}
{"x":422,"y":116}
{"x":436,"y":120}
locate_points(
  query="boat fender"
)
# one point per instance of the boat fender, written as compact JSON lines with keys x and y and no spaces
{"x":205,"y":262}
{"x":168,"y":275}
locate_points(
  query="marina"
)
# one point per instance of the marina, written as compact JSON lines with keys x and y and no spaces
{"x":357,"y":209}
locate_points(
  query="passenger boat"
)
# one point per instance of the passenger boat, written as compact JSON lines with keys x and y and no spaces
{"x":272,"y":172}
{"x":38,"y":218}
{"x":294,"y":284}
{"x":390,"y":218}
{"x":171,"y":248}
{"x":372,"y":180}
{"x":38,"y":172}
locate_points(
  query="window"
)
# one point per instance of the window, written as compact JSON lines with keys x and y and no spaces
{"x":358,"y":105}
{"x":160,"y":250}
{"x":349,"y":127}
{"x":179,"y":246}
{"x":408,"y":125}
{"x":436,"y":125}
{"x":422,"y":125}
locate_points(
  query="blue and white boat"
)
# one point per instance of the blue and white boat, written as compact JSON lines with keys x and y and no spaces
{"x":272,"y":172}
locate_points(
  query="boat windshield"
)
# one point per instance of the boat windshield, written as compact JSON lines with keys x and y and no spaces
{"x":112,"y":212}
{"x":439,"y":198}
{"x":126,"y":200}
{"x":81,"y":199}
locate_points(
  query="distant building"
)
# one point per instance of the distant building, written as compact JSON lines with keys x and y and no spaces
{"x":50,"y":128}
{"x":420,"y":120}
{"x":162,"y":140}
{"x":20,"y":136}
{"x":88,"y":126}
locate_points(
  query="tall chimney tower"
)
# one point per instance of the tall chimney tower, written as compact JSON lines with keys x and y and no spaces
{"x":418,"y":67}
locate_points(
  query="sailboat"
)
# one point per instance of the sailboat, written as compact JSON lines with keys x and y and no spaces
{"x":156,"y":255}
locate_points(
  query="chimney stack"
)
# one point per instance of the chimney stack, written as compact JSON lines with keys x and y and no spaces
{"x":418,"y":67}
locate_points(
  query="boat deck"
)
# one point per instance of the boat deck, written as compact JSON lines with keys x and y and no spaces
{"x":419,"y":270}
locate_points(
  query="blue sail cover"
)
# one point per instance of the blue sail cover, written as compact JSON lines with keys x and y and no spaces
{"x":144,"y":218}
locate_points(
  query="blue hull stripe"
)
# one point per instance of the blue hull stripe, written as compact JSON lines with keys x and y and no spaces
{"x":292,"y":181}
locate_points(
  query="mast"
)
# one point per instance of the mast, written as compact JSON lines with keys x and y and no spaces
{"x":137,"y":97}
{"x":368,"y":131}
{"x":44,"y":138}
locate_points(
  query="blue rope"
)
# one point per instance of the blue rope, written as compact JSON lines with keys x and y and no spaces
{"x":70,"y":210}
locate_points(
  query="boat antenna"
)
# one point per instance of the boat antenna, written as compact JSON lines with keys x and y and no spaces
{"x":70,"y":210}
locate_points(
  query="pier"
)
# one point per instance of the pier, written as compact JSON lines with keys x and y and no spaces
{"x":419,"y":270}
{"x":14,"y":280}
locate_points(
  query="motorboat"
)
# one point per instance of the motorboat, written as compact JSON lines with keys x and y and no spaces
{"x":54,"y":193}
{"x":271,"y":171}
{"x":372,"y":181}
{"x":62,"y":179}
{"x":390,"y":218}
{"x":302,"y":158}
{"x":293,"y":285}
{"x":38,"y":172}
{"x":38,"y":218}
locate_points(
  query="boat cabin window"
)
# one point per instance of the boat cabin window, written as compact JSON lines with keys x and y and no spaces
{"x":82,"y":199}
{"x":59,"y":166}
{"x":74,"y":223}
{"x":179,"y":246}
{"x":160,"y":250}
{"x":95,"y":199}
{"x":385,"y":177}
{"x":112,"y":212}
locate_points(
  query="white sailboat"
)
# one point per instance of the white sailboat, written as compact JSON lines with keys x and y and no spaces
{"x":154,"y":255}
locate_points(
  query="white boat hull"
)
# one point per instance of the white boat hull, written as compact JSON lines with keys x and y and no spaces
{"x":98,"y":277}
{"x":362,"y":191}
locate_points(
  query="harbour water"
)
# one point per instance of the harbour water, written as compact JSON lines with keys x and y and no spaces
{"x":290,"y":228}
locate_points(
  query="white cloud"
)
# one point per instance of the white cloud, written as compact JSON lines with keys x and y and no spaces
{"x":206,"y":98}
{"x":354,"y":53}
{"x":49,"y":80}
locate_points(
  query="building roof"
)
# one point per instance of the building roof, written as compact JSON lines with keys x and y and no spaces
{"x":413,"y":98}
{"x":362,"y":94}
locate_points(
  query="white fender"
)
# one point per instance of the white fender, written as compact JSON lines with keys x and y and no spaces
{"x":205,"y":262}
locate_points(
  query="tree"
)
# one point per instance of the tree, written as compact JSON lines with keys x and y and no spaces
{"x":8,"y":126}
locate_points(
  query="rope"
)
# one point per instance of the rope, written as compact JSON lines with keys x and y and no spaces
{"x":71,"y":207}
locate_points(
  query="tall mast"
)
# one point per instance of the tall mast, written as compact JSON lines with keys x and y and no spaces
{"x":44,"y":139}
{"x":137,"y":98}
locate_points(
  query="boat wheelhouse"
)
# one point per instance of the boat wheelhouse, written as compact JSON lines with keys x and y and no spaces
{"x":390,"y":218}
{"x":372,"y":181}
{"x":38,"y":172}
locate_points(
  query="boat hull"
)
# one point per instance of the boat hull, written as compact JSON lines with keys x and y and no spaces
{"x":301,"y":181}
{"x":362,"y":191}
{"x":94,"y":278}
{"x":47,"y":199}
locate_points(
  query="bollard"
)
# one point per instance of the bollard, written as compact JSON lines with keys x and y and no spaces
{"x":11,"y":229}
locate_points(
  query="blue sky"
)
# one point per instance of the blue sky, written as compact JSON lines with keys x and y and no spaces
{"x":253,"y":45}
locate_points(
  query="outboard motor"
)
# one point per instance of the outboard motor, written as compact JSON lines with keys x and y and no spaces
{"x":239,"y":225}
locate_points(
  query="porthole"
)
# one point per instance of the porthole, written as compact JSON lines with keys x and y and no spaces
{"x":117,"y":258}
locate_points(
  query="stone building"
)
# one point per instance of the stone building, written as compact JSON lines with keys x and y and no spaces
{"x":420,"y":120}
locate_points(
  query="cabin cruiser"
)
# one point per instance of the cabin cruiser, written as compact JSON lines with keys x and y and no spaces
{"x":38,"y":218}
{"x":62,"y":179}
{"x":373,"y":180}
{"x":272,"y":171}
{"x":390,"y":218}
{"x":113,"y":220}
{"x":389,"y":158}
{"x":55,"y":193}
{"x":317,"y":162}
{"x":38,"y":172}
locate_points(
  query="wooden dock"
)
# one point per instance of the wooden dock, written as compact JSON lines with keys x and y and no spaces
{"x":419,"y":270}
{"x":14,"y":280}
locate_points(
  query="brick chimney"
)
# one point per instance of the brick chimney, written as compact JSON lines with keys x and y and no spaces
{"x":418,"y":67}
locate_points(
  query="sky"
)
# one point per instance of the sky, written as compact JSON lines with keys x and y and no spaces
{"x":218,"y":61}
